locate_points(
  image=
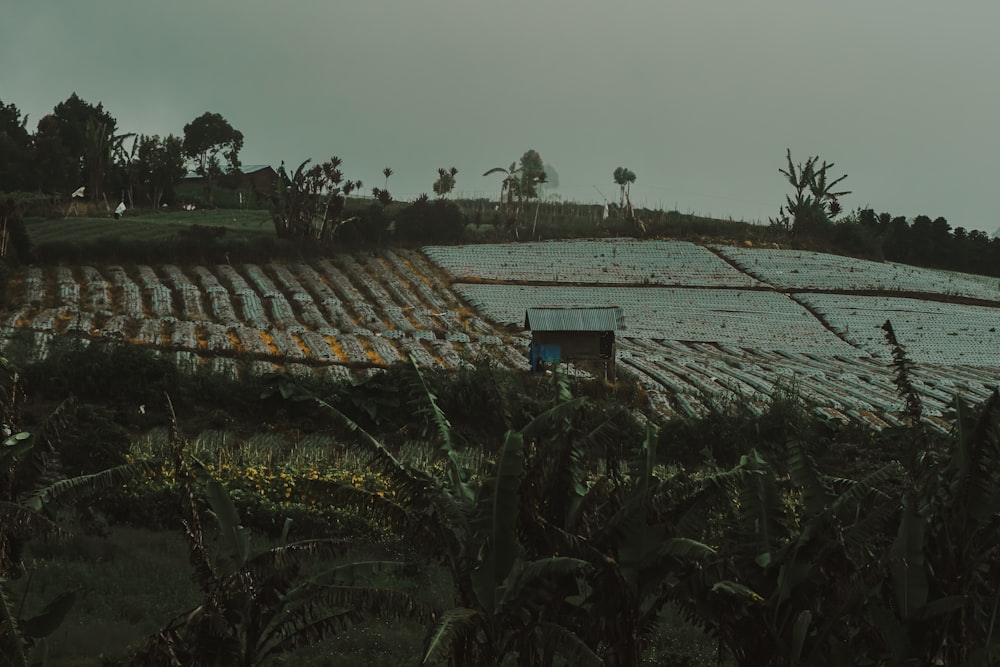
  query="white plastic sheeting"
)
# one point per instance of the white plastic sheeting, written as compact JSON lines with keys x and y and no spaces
{"x":745,"y":318}
{"x":800,"y":269}
{"x":604,"y":261}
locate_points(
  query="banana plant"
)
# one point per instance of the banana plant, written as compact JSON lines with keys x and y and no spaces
{"x":23,"y":641}
{"x":641,"y":533}
{"x":592,"y":493}
{"x":519,"y":606}
{"x":27,"y":513}
{"x":509,"y":602}
{"x":939,"y":604}
{"x":799,"y":562}
{"x":258,"y":605}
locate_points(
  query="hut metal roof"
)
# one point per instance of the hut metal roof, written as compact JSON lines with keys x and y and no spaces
{"x":588,"y":318}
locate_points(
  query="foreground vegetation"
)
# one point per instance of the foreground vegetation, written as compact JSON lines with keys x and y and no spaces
{"x":480,"y":517}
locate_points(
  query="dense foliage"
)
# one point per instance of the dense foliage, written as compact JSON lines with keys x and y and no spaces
{"x":564,"y":528}
{"x":205,"y":138}
{"x":430,"y":221}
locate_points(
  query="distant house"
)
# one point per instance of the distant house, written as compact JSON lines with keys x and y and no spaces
{"x":253,"y":181}
{"x":258,"y":177}
{"x":583,"y":335}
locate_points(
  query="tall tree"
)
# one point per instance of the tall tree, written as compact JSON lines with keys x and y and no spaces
{"x":100,"y":149}
{"x":624,"y":178}
{"x":15,"y":150}
{"x":532,"y":174}
{"x":55,"y":169}
{"x":520,"y":180}
{"x":159,"y":166}
{"x":76,"y":141}
{"x":205,"y":138}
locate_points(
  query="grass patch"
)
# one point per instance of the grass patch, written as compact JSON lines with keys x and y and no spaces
{"x":129,"y":584}
{"x":211,"y":235}
{"x":150,"y":227}
{"x":132,"y":581}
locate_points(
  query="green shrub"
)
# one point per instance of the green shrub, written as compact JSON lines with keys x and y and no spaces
{"x":367,"y":227}
{"x":102,"y":372}
{"x":88,"y":439}
{"x":731,"y":430}
{"x":426,"y":221}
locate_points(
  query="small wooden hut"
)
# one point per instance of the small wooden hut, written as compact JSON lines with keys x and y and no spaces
{"x":583,"y":335}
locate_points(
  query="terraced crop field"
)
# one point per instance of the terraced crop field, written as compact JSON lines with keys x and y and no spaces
{"x":704,"y":324}
{"x":335,"y":316}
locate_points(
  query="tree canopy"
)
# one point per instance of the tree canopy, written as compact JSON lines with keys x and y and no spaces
{"x":533,"y":174}
{"x":205,"y":138}
{"x":445,"y":182}
{"x":15,"y":148}
{"x":73,"y":146}
{"x":159,"y":165}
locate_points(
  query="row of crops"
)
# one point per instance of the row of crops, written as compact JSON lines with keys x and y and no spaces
{"x":330,"y":316}
{"x":748,"y":322}
{"x":686,"y":379}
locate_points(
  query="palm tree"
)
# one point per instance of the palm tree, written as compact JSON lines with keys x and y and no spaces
{"x":624,"y":178}
{"x":382,"y":195}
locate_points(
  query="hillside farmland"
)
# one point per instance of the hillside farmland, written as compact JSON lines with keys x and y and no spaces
{"x":711,"y":324}
{"x":704,"y":324}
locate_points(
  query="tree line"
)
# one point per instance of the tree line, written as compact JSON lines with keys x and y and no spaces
{"x":79,"y":150}
{"x":80,"y":146}
{"x":810,"y":217}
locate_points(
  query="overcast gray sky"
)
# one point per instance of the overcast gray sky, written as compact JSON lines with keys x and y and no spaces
{"x":699,"y":98}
